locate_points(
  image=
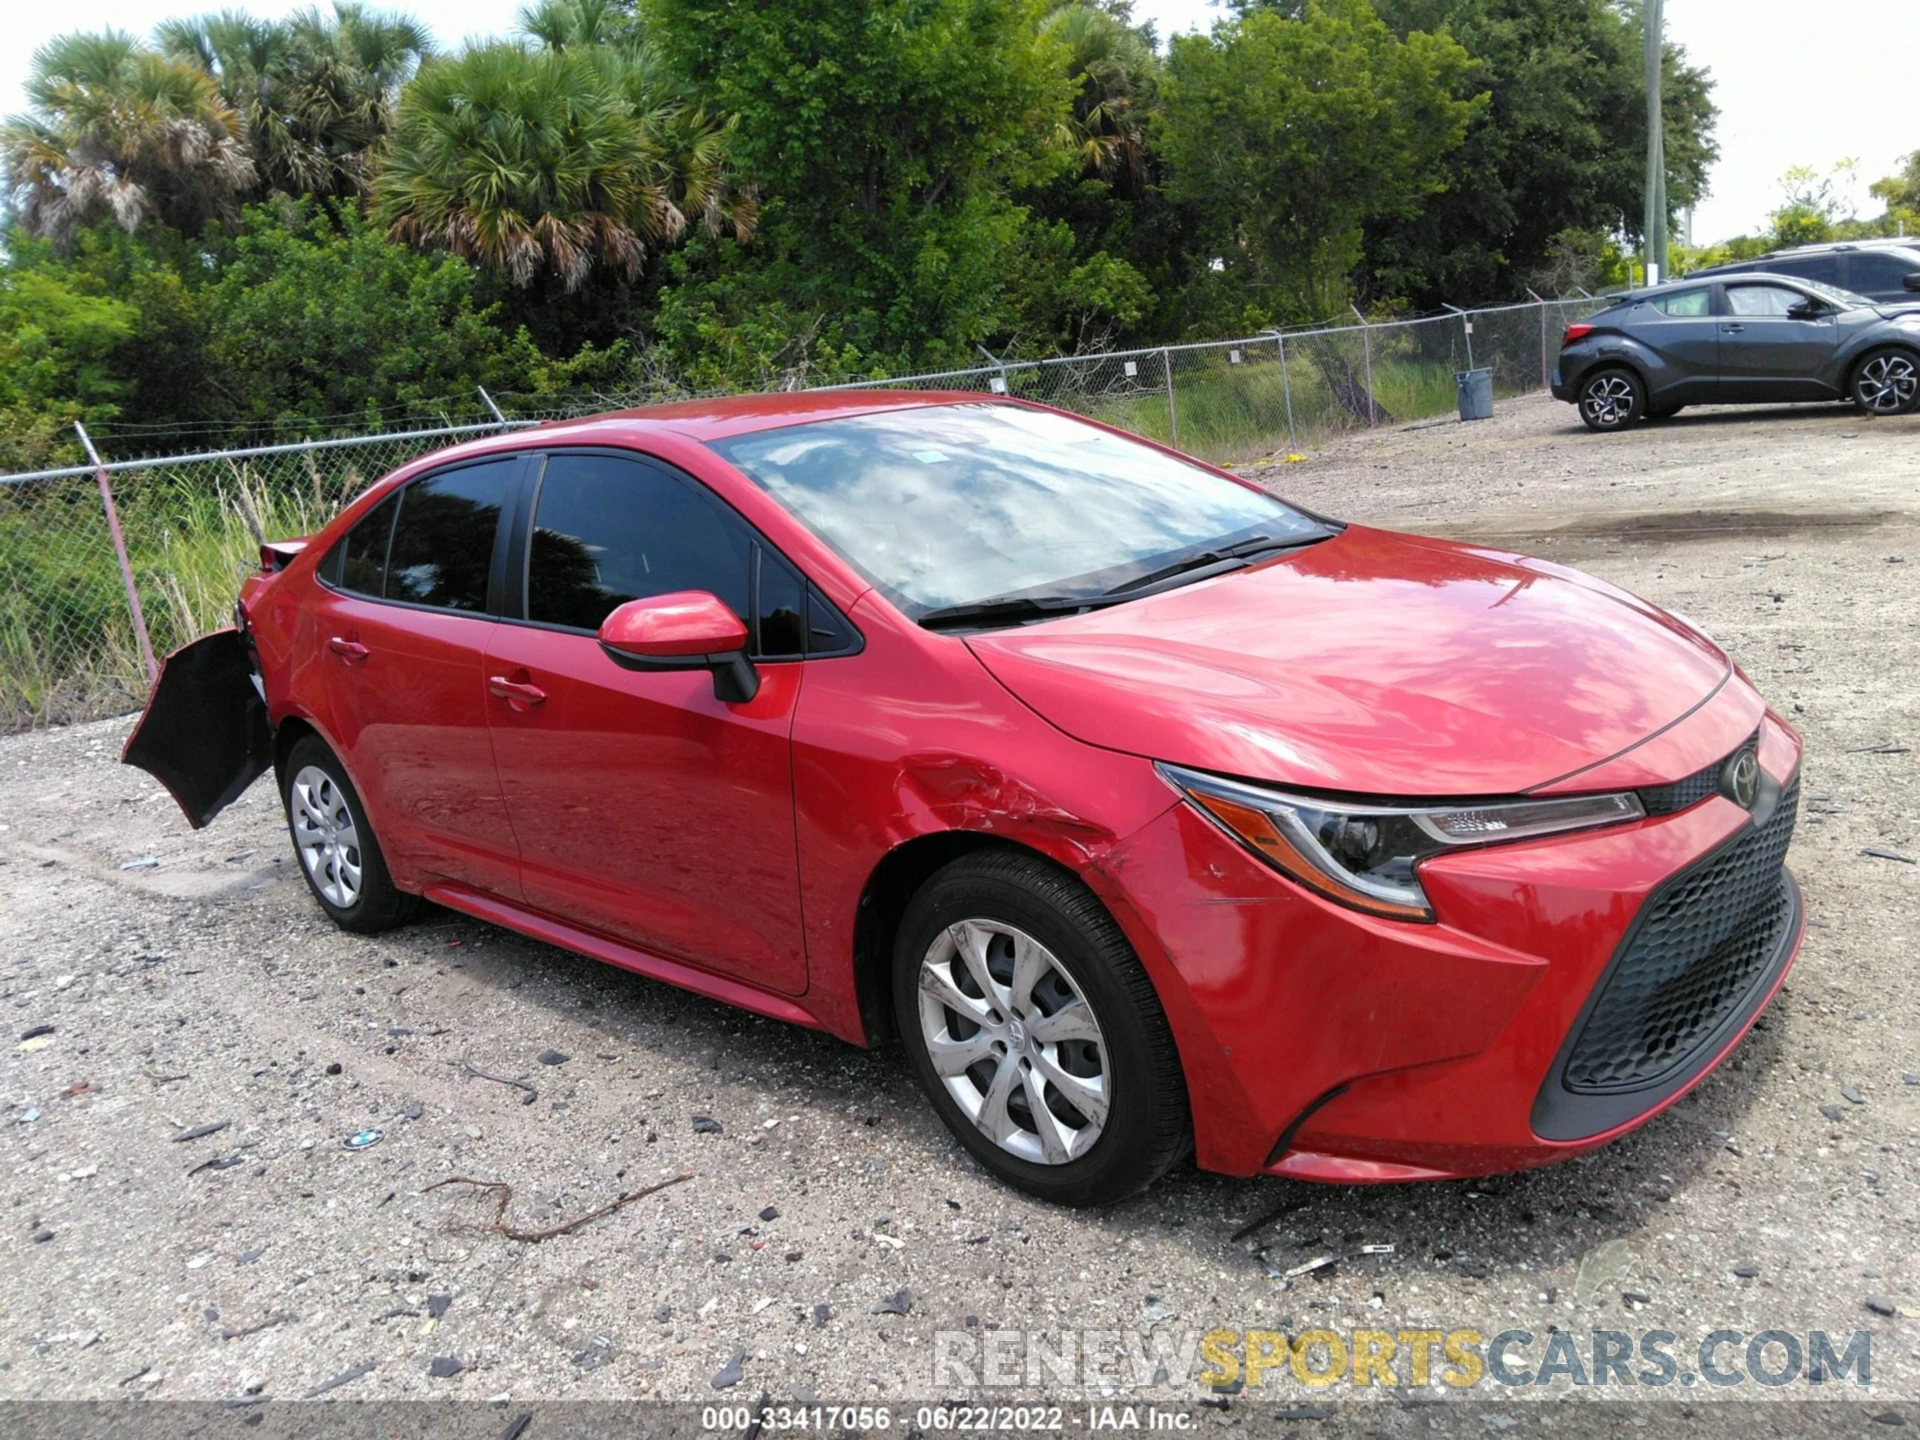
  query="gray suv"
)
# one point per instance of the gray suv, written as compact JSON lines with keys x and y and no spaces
{"x":1885,"y":271}
{"x":1738,"y":339}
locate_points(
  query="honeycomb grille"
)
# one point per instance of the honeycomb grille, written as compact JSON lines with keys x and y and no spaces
{"x":1666,"y":799}
{"x":1692,"y":960}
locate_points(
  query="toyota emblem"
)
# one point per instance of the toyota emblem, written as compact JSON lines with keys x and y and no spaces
{"x":1743,"y":778}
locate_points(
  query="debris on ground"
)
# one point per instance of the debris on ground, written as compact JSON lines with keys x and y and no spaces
{"x":363,"y":1139}
{"x":200,"y":1132}
{"x":534,"y":1237}
{"x":474,"y":1070}
{"x":445,"y":1367}
{"x":345,"y":1377}
{"x":1877,"y":853}
{"x":898,"y":1303}
{"x":554,"y":1057}
{"x":269,"y":1323}
{"x":705,"y":1125}
{"x":729,"y":1374}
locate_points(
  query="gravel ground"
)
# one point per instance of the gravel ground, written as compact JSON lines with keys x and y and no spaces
{"x":190,"y":982}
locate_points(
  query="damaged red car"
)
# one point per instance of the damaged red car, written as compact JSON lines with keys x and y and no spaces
{"x":1153,"y":816}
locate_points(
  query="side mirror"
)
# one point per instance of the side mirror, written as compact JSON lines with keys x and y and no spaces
{"x":1806,"y":310}
{"x":687,"y":630}
{"x":1912,"y":282}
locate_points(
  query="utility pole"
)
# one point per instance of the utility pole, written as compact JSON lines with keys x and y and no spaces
{"x":1654,"y":257}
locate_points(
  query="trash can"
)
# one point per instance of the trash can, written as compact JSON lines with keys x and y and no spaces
{"x":1475,"y":388}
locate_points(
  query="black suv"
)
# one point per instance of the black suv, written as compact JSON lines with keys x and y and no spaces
{"x":1885,"y":271}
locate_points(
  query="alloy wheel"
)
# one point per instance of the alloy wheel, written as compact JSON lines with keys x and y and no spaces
{"x":1887,"y":384}
{"x":1608,"y":400}
{"x":326,"y":836}
{"x":1013,"y":1041}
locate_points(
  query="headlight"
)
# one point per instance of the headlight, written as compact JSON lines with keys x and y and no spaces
{"x":1365,"y":855}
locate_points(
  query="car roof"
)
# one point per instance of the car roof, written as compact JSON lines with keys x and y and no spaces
{"x":726,"y":415}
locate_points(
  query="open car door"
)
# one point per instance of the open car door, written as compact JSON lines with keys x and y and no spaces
{"x":204,"y":734}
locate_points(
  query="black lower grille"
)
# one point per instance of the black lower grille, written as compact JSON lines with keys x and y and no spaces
{"x":1693,"y":958}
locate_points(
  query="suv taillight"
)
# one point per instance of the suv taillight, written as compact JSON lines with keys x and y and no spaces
{"x":1575,"y":332}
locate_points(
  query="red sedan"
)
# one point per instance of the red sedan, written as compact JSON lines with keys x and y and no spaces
{"x":1152,"y":814}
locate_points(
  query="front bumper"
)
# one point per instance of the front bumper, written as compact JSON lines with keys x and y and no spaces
{"x":1324,"y":1044}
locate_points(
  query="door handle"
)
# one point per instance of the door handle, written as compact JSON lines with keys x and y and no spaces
{"x":516,"y":693}
{"x":1731,"y":329}
{"x":351,"y":651}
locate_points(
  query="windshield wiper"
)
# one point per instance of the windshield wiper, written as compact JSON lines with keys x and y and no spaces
{"x":1214,"y":555}
{"x":1011,"y":609}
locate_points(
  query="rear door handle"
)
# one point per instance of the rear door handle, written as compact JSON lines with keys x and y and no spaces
{"x":514,"y":692}
{"x":1731,"y":329}
{"x":351,"y":651}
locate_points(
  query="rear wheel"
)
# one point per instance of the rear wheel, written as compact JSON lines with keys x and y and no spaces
{"x":1886,"y":382}
{"x":1035,"y":1032}
{"x":338,"y":853}
{"x":1611,"y":399}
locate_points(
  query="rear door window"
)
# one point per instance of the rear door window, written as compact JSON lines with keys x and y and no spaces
{"x":444,"y":537}
{"x":1824,"y":268}
{"x":1686,"y":304}
{"x":363,"y":558}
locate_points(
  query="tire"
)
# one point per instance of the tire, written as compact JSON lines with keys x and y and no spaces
{"x":1611,"y":399}
{"x":335,"y":845}
{"x":1886,"y":382}
{"x":1034,"y":928}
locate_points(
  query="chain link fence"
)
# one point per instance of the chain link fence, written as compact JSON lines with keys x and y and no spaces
{"x":71,"y":647}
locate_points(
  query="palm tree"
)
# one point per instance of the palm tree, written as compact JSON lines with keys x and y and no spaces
{"x":569,"y":156}
{"x":317,"y":91}
{"x":119,"y":129}
{"x":1117,"y":73}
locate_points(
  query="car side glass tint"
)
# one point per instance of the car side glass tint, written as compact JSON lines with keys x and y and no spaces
{"x":1761,"y":299}
{"x":363,"y":565}
{"x":827,"y":633}
{"x":1689,"y":304}
{"x":781,"y":607}
{"x":608,"y":530}
{"x":443,"y":541}
{"x":1871,"y":272}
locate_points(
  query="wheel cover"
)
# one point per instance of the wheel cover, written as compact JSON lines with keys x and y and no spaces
{"x":325,"y":835}
{"x":1014,"y":1041}
{"x":1608,"y":400}
{"x":1887,"y":384}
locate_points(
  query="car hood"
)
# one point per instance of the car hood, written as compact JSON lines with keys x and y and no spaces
{"x":1375,"y":663}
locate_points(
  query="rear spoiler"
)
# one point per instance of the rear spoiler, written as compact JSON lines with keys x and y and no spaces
{"x":276,"y":555}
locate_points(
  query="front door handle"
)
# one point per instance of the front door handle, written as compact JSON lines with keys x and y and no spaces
{"x":1731,"y":329}
{"x":349,"y":650}
{"x":515,"y":692}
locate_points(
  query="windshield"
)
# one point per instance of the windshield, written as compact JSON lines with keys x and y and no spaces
{"x":946,"y":505}
{"x":1845,"y":299}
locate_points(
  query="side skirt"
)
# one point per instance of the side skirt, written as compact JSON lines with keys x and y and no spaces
{"x":539,"y":926}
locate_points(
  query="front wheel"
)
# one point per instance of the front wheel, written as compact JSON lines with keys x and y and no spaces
{"x":1032,"y":1027}
{"x":339,"y":855}
{"x":1611,"y":399}
{"x":1886,"y":382}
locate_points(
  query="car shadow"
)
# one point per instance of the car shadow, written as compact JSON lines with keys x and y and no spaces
{"x":1536,"y":1222}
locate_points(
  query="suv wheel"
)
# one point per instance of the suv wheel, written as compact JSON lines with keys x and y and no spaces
{"x":1034,"y":1030}
{"x":1886,"y":382}
{"x":1611,"y":399}
{"x":338,"y":852}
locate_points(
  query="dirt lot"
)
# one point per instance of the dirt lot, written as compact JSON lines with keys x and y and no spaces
{"x":191,"y":982}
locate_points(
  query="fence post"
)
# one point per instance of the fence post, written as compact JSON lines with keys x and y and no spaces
{"x":1366,"y":341}
{"x":1546,"y":374}
{"x":1286,"y":386}
{"x":1173,"y":415}
{"x":1466,"y":326}
{"x":487,"y":400}
{"x":120,"y":552}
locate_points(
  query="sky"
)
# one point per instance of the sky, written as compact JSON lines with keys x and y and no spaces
{"x":1790,"y":92}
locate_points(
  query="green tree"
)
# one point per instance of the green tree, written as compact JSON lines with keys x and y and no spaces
{"x":1901,"y":190}
{"x":889,"y":138}
{"x":120,"y":130}
{"x":316,"y":92}
{"x":1560,"y":147}
{"x":310,"y":320}
{"x":1288,"y":133}
{"x":554,"y":160}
